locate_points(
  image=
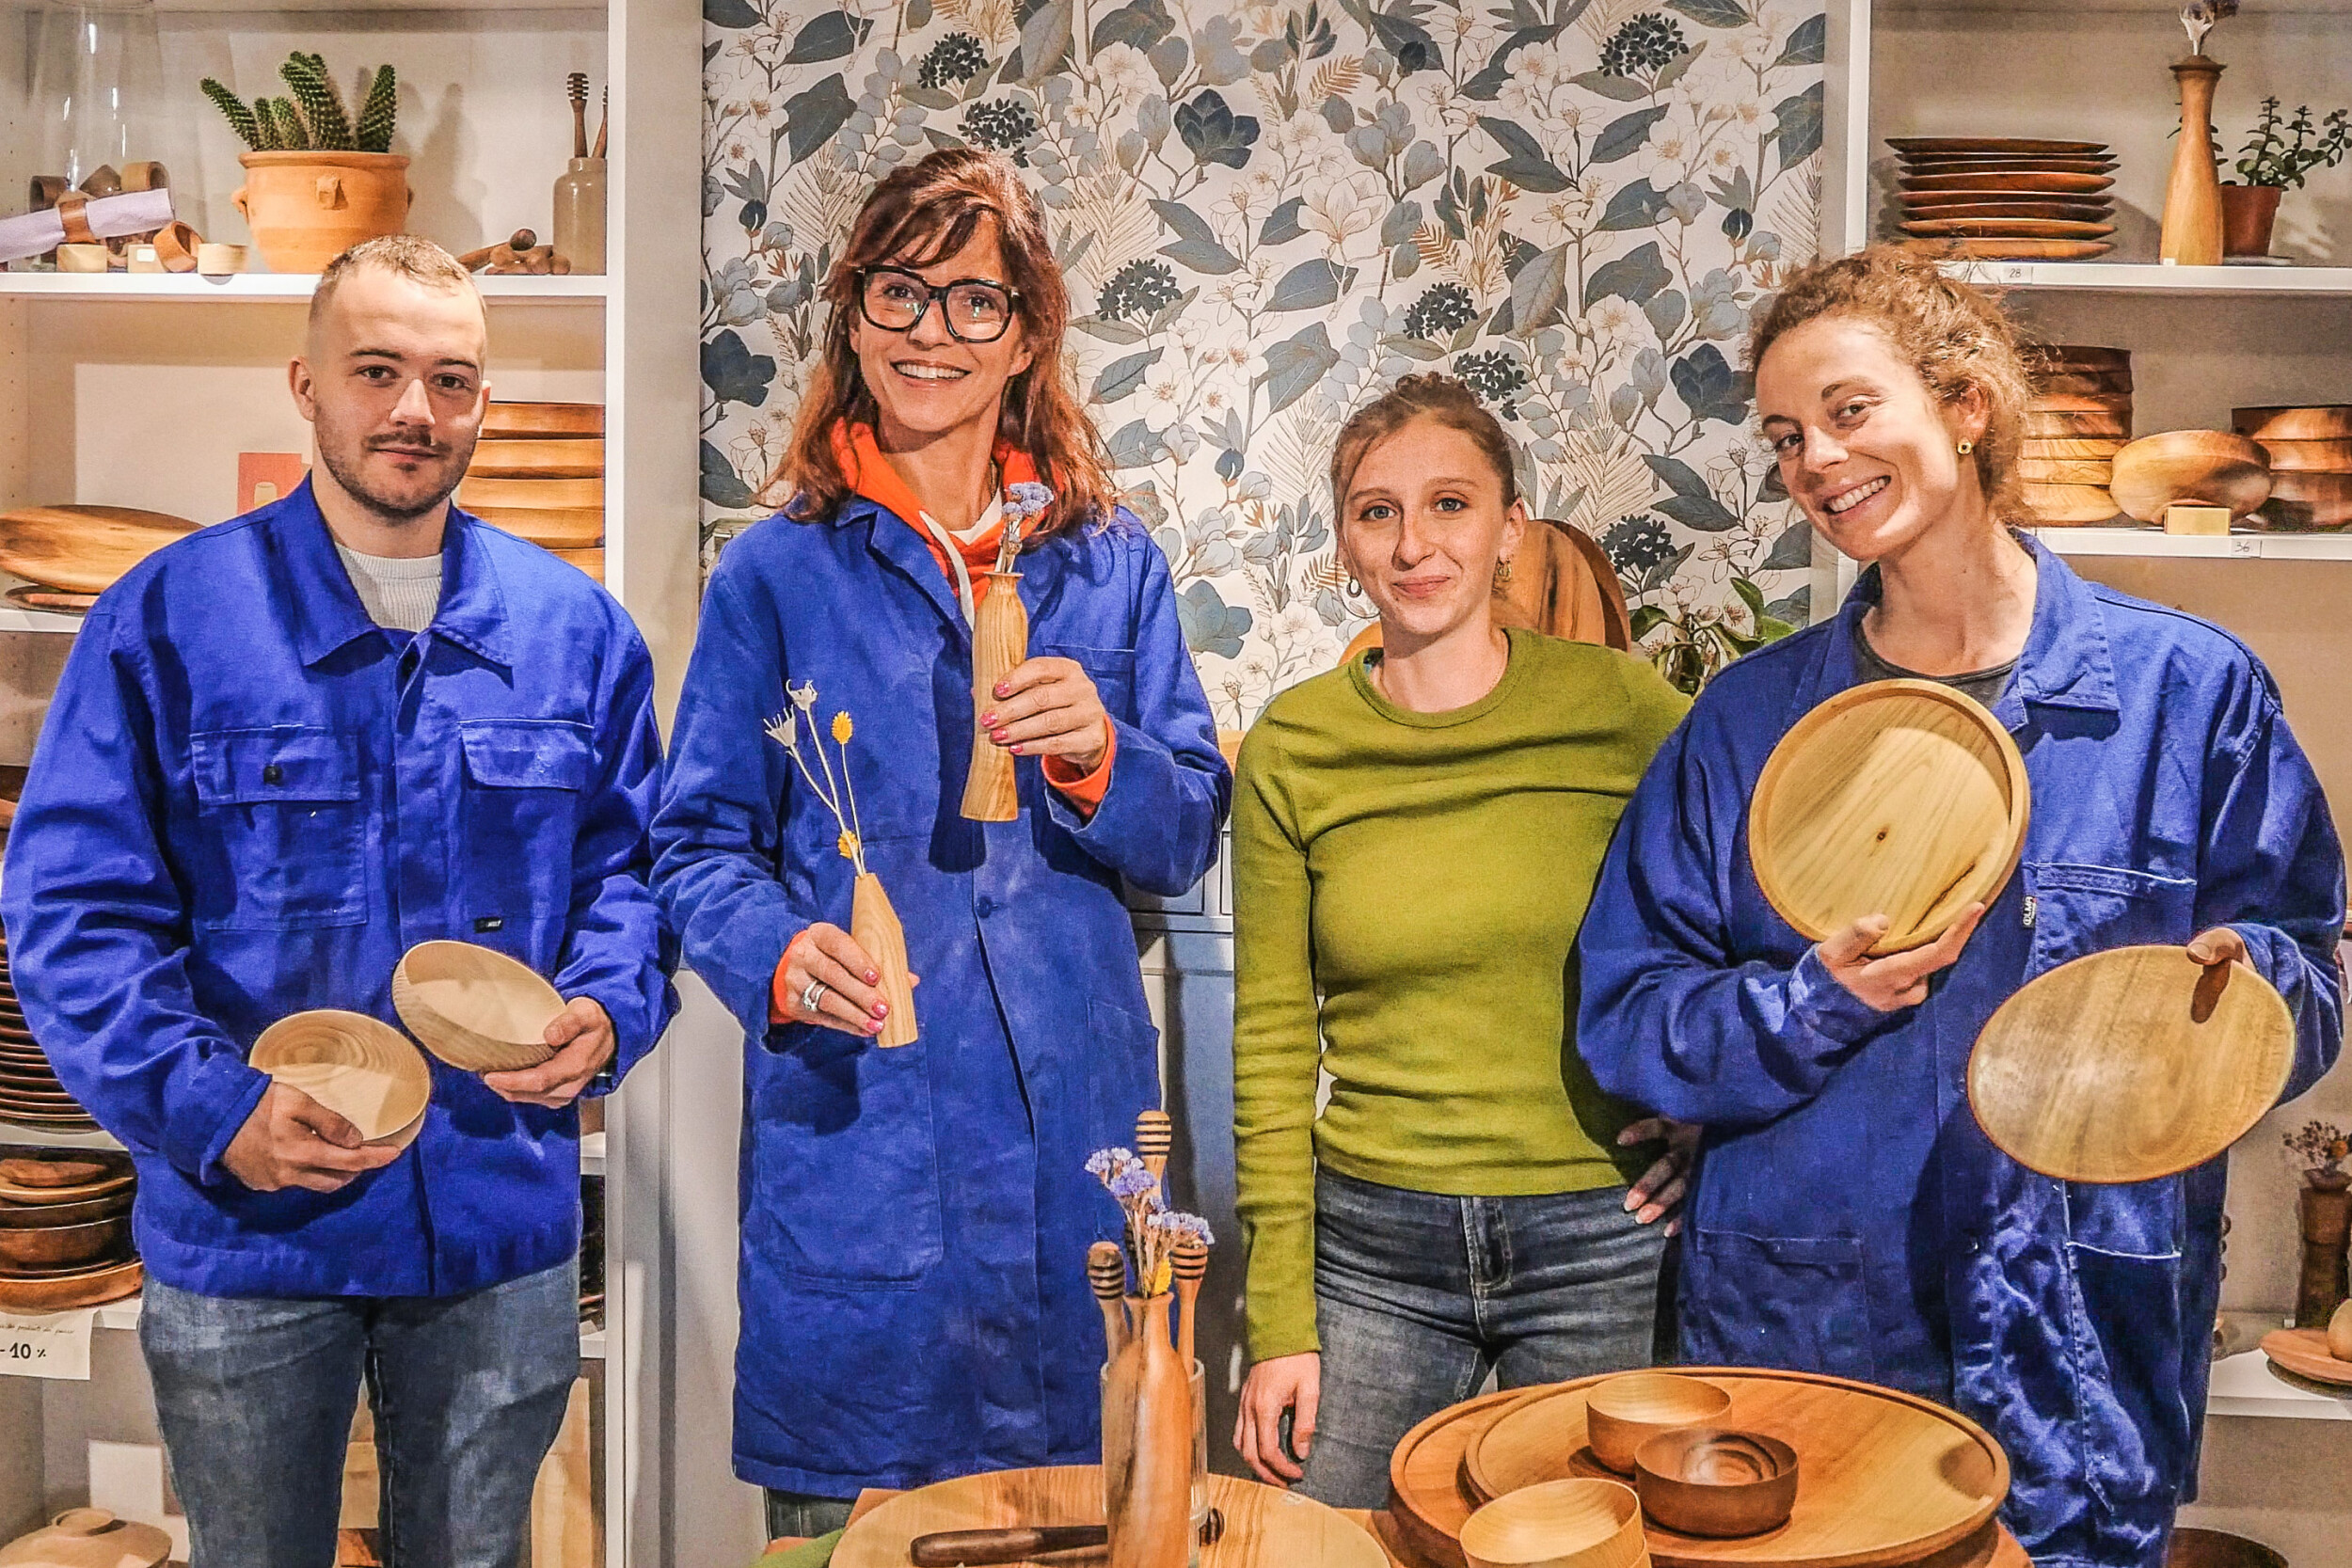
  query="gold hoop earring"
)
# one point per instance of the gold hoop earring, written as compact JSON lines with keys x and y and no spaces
{"x":1965,"y":447}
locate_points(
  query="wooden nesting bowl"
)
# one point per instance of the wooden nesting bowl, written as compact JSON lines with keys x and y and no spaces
{"x":2195,"y":467}
{"x":60,"y":1293}
{"x":2315,"y":422}
{"x":1559,"y":1524}
{"x":57,"y":1246}
{"x":1709,"y":1482}
{"x":475,"y":1009}
{"x":2070,"y":504}
{"x":2213,"y":1549}
{"x":2309,"y":457}
{"x":2129,"y":1065}
{"x":1900,"y":798}
{"x":509,"y":421}
{"x":2310,"y":501}
{"x":1625,"y":1412}
{"x":360,"y":1068}
{"x":44,"y":1216}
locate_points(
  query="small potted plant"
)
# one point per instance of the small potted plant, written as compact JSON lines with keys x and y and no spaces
{"x":2278,"y":155}
{"x":2320,"y":1150}
{"x":316,"y":182}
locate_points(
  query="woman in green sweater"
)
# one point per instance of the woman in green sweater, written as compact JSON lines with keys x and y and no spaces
{"x":1415,"y":835}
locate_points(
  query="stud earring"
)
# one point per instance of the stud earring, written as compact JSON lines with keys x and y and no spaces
{"x":1503,"y":569}
{"x":1965,"y":447}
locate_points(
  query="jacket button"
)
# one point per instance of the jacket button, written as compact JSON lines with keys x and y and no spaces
{"x":986,"y":905}
{"x":273,"y":774}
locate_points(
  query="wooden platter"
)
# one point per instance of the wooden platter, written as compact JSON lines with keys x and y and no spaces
{"x":2130,"y":1064}
{"x":590,"y":562}
{"x":1996,"y":163}
{"x":2049,"y":401}
{"x":537,"y":495}
{"x":2309,"y":457}
{"x":35,"y":597}
{"x":2039,"y":204}
{"x":99,"y":1187}
{"x":62,"y":1292}
{"x":474,"y":1007}
{"x":88,"y":1538}
{"x":508,"y":420}
{"x":2093,"y":471}
{"x":1994,"y":204}
{"x":2304,"y":1353}
{"x":1889,"y":1479}
{"x":2044,"y":183}
{"x":2046,"y":382}
{"x":359,"y":1067}
{"x":2011,"y":251}
{"x":2057,"y":448}
{"x":83,"y":549}
{"x":2065,"y":424}
{"x":2315,"y":422}
{"x":1264,"y":1528}
{"x":2033,"y":147}
{"x":1429,"y":1498}
{"x":559,"y":458}
{"x":554,"y":528}
{"x":2023,"y":229}
{"x":2203,"y":467}
{"x":1899,"y":797}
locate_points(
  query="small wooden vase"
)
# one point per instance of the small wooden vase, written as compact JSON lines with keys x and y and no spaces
{"x":2327,"y":1223}
{"x":874,"y":926}
{"x":1000,"y":640}
{"x":2192,"y":200}
{"x":1147,"y":1445}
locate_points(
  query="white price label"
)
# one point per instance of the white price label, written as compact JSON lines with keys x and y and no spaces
{"x":54,"y":1345}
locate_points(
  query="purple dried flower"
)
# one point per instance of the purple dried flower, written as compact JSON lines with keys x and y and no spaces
{"x":1104,"y":1163}
{"x":1027,"y":499}
{"x":1132,"y":1180}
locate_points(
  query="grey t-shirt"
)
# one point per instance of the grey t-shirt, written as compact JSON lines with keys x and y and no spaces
{"x":1985,"y":686}
{"x":400,"y":591}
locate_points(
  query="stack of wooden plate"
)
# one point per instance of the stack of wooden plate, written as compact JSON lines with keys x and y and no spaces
{"x":65,"y":1228}
{"x":69,"y":555}
{"x":30,"y":1094}
{"x":538,"y":473}
{"x":2311,"y":462}
{"x":2080,"y":418}
{"x":2012,"y":197}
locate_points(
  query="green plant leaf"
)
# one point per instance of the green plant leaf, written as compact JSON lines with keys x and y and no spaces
{"x":1625,"y":136}
{"x":1808,"y":44}
{"x":1294,"y":366}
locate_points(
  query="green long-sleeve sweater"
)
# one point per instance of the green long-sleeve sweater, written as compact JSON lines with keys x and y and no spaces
{"x":1426,"y":873}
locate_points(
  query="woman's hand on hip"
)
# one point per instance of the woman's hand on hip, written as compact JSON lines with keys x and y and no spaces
{"x":825,"y":955}
{"x":1899,"y":980}
{"x":1291,"y":1382}
{"x":1048,"y":707}
{"x":1659,"y":1193}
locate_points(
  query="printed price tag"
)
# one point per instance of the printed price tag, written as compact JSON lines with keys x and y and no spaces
{"x":54,"y":1345}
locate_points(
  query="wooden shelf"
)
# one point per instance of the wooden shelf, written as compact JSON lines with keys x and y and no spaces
{"x":2135,"y":278}
{"x":265,"y":288}
{"x":13,"y":618}
{"x":2185,"y":546}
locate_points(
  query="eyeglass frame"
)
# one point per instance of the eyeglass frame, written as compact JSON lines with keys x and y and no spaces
{"x":936,"y":293}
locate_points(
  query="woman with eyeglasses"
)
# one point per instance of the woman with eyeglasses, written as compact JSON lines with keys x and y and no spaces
{"x":916,"y":1219}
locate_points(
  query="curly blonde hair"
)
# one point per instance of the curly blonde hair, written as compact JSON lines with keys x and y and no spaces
{"x":1954,"y":335}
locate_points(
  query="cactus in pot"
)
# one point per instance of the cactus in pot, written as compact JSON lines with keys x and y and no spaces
{"x":316,"y":182}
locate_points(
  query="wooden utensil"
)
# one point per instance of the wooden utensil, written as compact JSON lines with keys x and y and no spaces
{"x":2029,"y":229}
{"x":2019,"y":145}
{"x":2129,"y":1065}
{"x":359,"y":1067}
{"x":2061,"y":448}
{"x":1106,"y":1273}
{"x":2073,"y":424}
{"x":474,"y":1007}
{"x":1429,"y":1499}
{"x":575,"y":89}
{"x":1904,"y":797}
{"x":1987,"y":180}
{"x":88,"y":1538}
{"x":1155,"y":1134}
{"x":1710,"y":1481}
{"x":2198,"y":468}
{"x":83,"y":549}
{"x":91,"y":1288}
{"x":969,"y":1548}
{"x":1188,"y":1265}
{"x":2310,"y":422}
{"x":1630,"y":1409}
{"x":1559,"y":1524}
{"x":2309,"y":457}
{"x":504,"y":420}
{"x":2304,"y":1352}
{"x":550,"y":527}
{"x":536,"y":494}
{"x":874,"y":926}
{"x":572,"y":457}
{"x":2087,"y":471}
{"x":1000,"y":640}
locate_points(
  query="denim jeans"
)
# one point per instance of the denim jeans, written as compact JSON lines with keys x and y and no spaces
{"x":255,"y":1398}
{"x":801,"y":1514}
{"x":1418,"y":1296}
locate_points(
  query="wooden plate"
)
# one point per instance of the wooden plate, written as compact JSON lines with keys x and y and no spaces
{"x":1899,"y":798}
{"x":2010,"y":250}
{"x":537,"y":495}
{"x":2023,"y":147}
{"x":62,"y":1292}
{"x":2300,"y":501}
{"x":2108,"y":383}
{"x":83,"y":549}
{"x":71,"y":1122}
{"x":2309,"y":457}
{"x":2023,"y":229}
{"x":2043,"y":203}
{"x":576,"y":457}
{"x":2087,"y":470}
{"x":2061,"y":423}
{"x":2076,"y":504}
{"x":507,"y":421}
{"x":43,"y":1216}
{"x":1889,"y":1479}
{"x":474,"y":1007}
{"x":2129,"y":1065}
{"x":590,"y":562}
{"x":2315,"y":422}
{"x":2076,"y":357}
{"x":2042,"y":183}
{"x":1992,"y":204}
{"x":60,"y":1168}
{"x":2208,"y":467}
{"x":2061,"y":448}
{"x":1263,"y":1527}
{"x":2117,"y":403}
{"x":360,"y":1068}
{"x":554,"y":528}
{"x":1428,"y":1497}
{"x":103,"y":1187}
{"x":2304,"y":1353}
{"x":34,"y":598}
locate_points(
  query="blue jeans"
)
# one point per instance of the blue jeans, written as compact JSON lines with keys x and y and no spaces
{"x":1418,"y":1296}
{"x":255,"y":1398}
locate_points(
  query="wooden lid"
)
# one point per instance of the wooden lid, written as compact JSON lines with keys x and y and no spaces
{"x":474,"y":1007}
{"x":1899,"y":798}
{"x":83,"y":549}
{"x":88,"y":1538}
{"x":2129,"y":1065}
{"x":360,"y":1068}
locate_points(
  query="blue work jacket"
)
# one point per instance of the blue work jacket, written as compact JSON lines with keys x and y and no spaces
{"x":915,"y":1220}
{"x":249,"y":800}
{"x":1850,"y":1217}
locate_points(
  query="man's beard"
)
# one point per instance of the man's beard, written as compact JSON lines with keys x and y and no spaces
{"x":393,"y":509}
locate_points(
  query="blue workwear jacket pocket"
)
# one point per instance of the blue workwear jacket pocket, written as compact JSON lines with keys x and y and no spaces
{"x":1792,"y":1301}
{"x":2079,"y":910}
{"x":1122,"y":1070}
{"x":524,"y":782}
{"x":283,"y":804}
{"x":1111,"y":670}
{"x":2132,"y":1420}
{"x":845,"y":1160}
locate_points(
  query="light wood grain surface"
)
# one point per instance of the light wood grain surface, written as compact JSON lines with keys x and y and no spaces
{"x":474,"y":1007}
{"x":507,"y":421}
{"x":2331,"y":421}
{"x":2204,"y":467}
{"x":2304,"y":1353}
{"x":1429,"y":1498}
{"x":561,"y":457}
{"x":359,"y":1067}
{"x":83,"y":549}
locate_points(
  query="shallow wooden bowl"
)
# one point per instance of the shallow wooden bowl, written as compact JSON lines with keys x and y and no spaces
{"x":88,"y":1538}
{"x":2046,"y":182}
{"x":2324,"y":492}
{"x":83,"y":549}
{"x":1559,"y":1524}
{"x":90,"y":1286}
{"x":590,"y":562}
{"x":550,"y":527}
{"x":37,"y":1198}
{"x":44,"y":1216}
{"x":508,"y":420}
{"x":2309,"y":457}
{"x":2052,"y":381}
{"x":2213,"y":1549}
{"x":2093,"y":471}
{"x":56,"y":1246}
{"x":563,"y":457}
{"x":1628,"y":1409}
{"x":2015,"y":147}
{"x":1938,"y":223}
{"x":2057,"y":446}
{"x":475,"y":1009}
{"x":536,"y":495}
{"x":1900,"y":798}
{"x":60,"y":1167}
{"x":2062,"y":504}
{"x":2061,"y":423}
{"x":359,"y":1067}
{"x":2304,"y":1353}
{"x":2315,"y":422}
{"x":1998,"y":204}
{"x":2009,"y":250}
{"x":2129,"y":1065}
{"x":1712,"y":1481}
{"x":2201,"y":468}
{"x":2053,"y":401}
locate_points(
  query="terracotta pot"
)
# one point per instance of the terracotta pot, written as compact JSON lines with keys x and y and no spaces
{"x":2326,"y":1221}
{"x":2246,"y":214}
{"x":307,"y":208}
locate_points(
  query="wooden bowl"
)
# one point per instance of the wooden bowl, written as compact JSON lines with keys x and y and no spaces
{"x":2328,"y":495}
{"x":2315,"y":422}
{"x":1902,"y":798}
{"x":83,"y":549}
{"x":2129,"y":1065}
{"x":63,"y":1246}
{"x":2340,"y":1332}
{"x":1624,"y":1412}
{"x":359,"y":1067}
{"x":1429,"y":1499}
{"x":88,"y":1538}
{"x":2309,"y":457}
{"x":2201,"y":468}
{"x":2304,"y":1353}
{"x":475,"y":1009}
{"x":2093,"y":471}
{"x":2053,"y":401}
{"x":536,"y":494}
{"x":562,"y":457}
{"x":2213,"y":1549}
{"x":91,"y":1287}
{"x":43,"y":1216}
{"x":60,"y":1167}
{"x":508,"y":420}
{"x":2080,"y":358}
{"x":1559,"y":1524}
{"x":2064,"y":382}
{"x":1710,"y":1481}
{"x":2071,"y":504}
{"x":590,"y":562}
{"x":2057,"y":448}
{"x":2065,"y":425}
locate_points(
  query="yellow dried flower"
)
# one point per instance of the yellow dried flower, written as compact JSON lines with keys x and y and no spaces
{"x":847,"y":844}
{"x":841,"y":727}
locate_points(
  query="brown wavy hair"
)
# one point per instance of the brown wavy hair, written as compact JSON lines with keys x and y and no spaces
{"x":1954,"y":335}
{"x":1425,"y":396}
{"x":916,"y":217}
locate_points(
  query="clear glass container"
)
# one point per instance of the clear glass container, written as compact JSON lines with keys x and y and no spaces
{"x":98,"y":97}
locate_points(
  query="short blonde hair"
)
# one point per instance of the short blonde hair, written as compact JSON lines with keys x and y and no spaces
{"x":410,"y":256}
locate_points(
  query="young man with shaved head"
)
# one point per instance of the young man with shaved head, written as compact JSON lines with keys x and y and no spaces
{"x":284,"y":750}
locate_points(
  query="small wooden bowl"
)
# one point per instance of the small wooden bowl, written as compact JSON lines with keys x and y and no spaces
{"x":1709,"y":1482}
{"x":89,"y":1538}
{"x":1625,"y":1412}
{"x":1584,"y":1523}
{"x":2071,"y":504}
{"x":63,"y":1246}
{"x":2193,"y":467}
{"x":359,"y":1067}
{"x":1900,"y":798}
{"x":2213,"y":1549}
{"x":505,"y":421}
{"x":2311,"y":422}
{"x":475,"y":1009}
{"x":2309,"y":457}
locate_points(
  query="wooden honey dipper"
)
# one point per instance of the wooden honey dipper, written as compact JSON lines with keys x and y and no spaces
{"x":1155,"y":1135}
{"x":1106,"y":1272}
{"x":1189,"y":1266}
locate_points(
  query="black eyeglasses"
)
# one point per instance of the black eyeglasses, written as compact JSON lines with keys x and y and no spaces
{"x":975,"y":309}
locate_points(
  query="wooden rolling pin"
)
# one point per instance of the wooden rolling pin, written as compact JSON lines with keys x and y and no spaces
{"x":971,"y":1549}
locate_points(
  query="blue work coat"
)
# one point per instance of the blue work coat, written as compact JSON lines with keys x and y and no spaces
{"x":249,"y":800}
{"x":915,"y":1220}
{"x":1849,"y":1217}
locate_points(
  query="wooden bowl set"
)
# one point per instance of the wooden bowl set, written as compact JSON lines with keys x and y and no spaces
{"x":2006,"y":198}
{"x":2080,"y":416}
{"x":30,"y":1095}
{"x":65,"y":1228}
{"x":538,"y":473}
{"x":69,"y":555}
{"x":2310,"y":452}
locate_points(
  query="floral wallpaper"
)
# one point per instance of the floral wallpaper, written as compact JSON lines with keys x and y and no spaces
{"x":1269,"y":211}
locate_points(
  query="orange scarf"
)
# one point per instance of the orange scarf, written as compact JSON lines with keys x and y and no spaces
{"x":870,"y":475}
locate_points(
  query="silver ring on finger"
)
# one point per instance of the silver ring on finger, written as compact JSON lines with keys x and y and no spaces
{"x":812,"y":996}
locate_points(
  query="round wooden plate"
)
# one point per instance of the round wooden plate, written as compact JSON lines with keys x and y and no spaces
{"x":90,"y":1288}
{"x":2304,"y":1353}
{"x":1899,"y":798}
{"x":1889,"y":1479}
{"x":507,"y":421}
{"x":83,"y":549}
{"x":2010,"y":250}
{"x":537,"y":495}
{"x":2040,"y":203}
{"x":2027,"y":229}
{"x":2206,"y":467}
{"x":590,"y":562}
{"x":2108,"y":383}
{"x":60,"y":1167}
{"x":2129,"y":1065}
{"x":2040,"y":183}
{"x":575,"y":457}
{"x":2002,"y":163}
{"x":88,"y":1538}
{"x":1428,"y":1497}
{"x":1994,"y":207}
{"x":2085,"y":470}
{"x":2309,"y":500}
{"x":550,"y":527}
{"x":16,"y":1193}
{"x":1263,"y":1527}
{"x":35,"y":597}
{"x":2053,"y":448}
{"x":2061,"y":424}
{"x":2309,"y":457}
{"x":474,"y":1007}
{"x":359,"y":1067}
{"x":2312,"y":422}
{"x":2029,"y":147}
